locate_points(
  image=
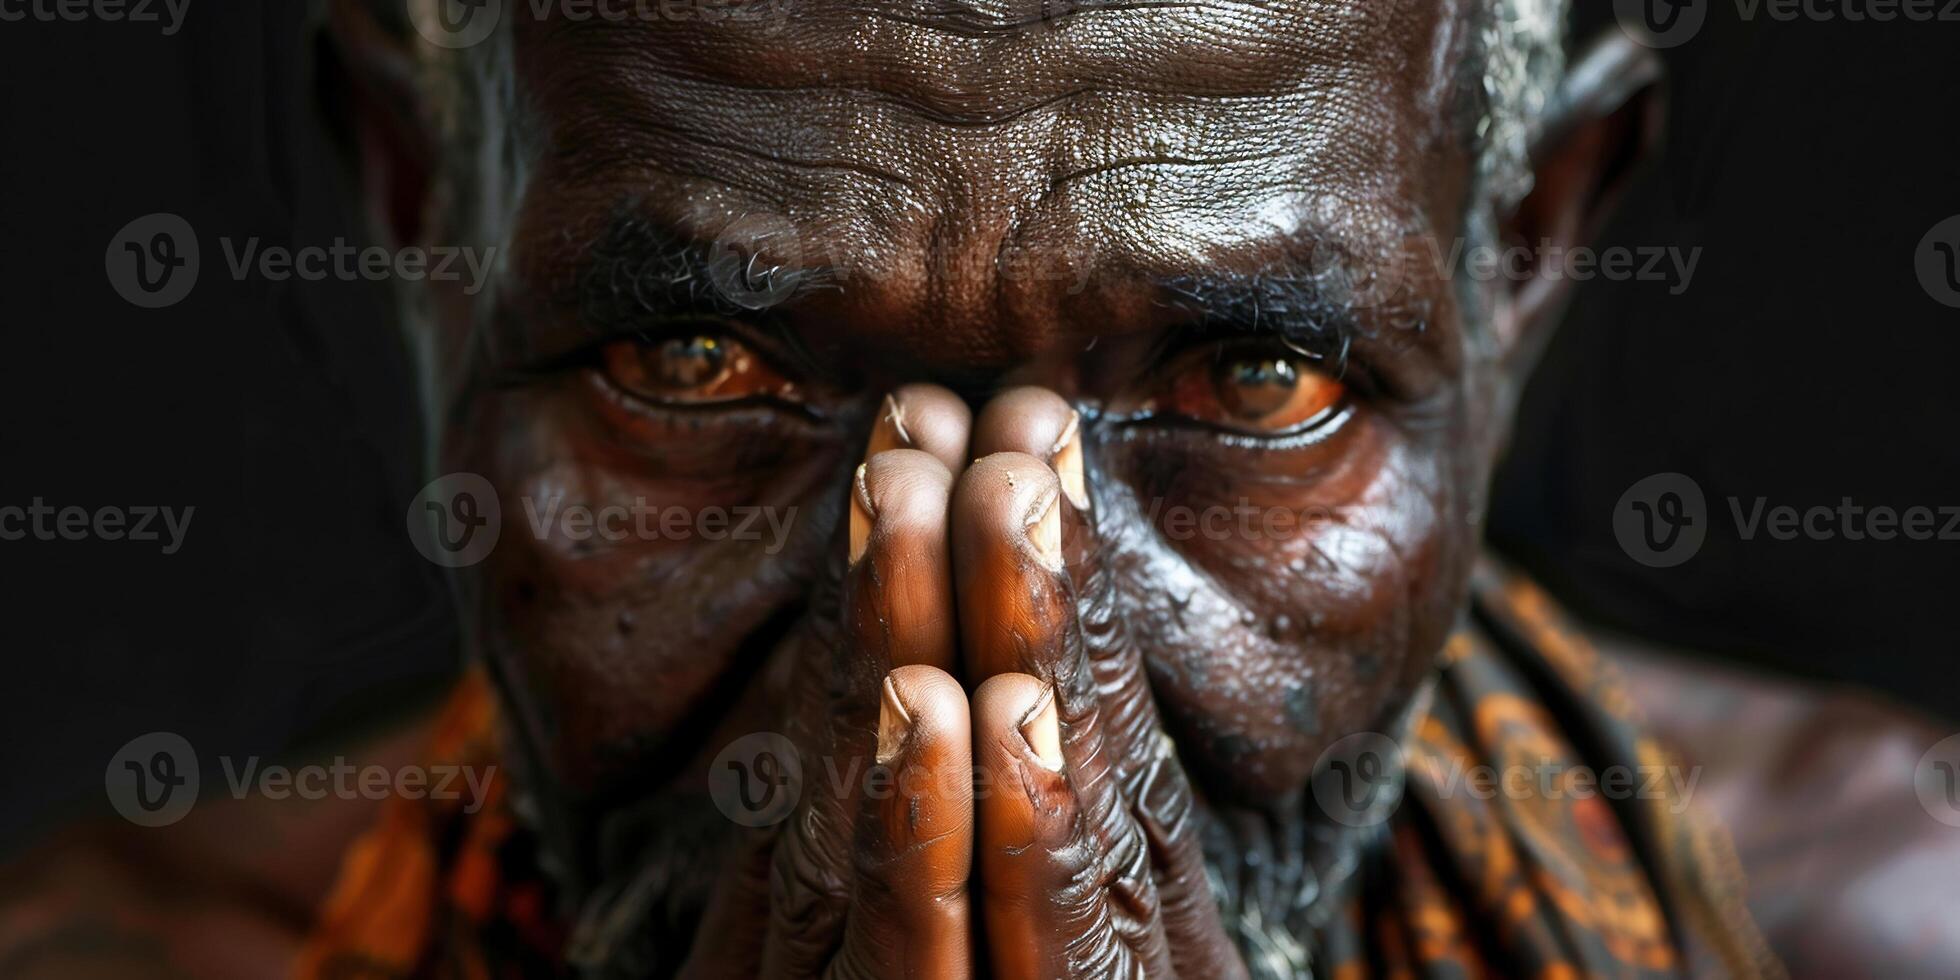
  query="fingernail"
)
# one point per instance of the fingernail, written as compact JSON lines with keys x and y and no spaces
{"x":1045,"y":533}
{"x":894,"y":725}
{"x":862,"y":515}
{"x":889,"y":431}
{"x":1043,"y":731}
{"x":1068,"y":464}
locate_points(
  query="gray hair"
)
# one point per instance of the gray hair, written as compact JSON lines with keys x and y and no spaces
{"x":1523,"y":64}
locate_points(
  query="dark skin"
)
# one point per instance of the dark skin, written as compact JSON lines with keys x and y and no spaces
{"x":1007,"y":344}
{"x":1007,"y":341}
{"x":1125,"y":689}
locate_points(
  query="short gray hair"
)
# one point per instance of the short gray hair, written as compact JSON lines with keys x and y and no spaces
{"x":1523,"y":64}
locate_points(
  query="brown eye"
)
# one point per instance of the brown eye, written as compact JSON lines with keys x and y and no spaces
{"x":691,"y":369}
{"x":1253,"y":390}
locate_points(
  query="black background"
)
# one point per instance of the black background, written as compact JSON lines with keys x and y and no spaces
{"x":1804,"y":364}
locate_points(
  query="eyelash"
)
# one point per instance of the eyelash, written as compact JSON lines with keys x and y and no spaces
{"x":1175,"y":351}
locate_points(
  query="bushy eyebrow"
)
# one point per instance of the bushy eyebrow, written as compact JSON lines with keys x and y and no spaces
{"x":639,"y":271}
{"x":1298,"y":307}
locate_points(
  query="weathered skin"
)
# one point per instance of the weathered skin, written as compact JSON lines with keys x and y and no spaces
{"x":1007,"y":246}
{"x":1023,"y":247}
{"x":978,"y":206}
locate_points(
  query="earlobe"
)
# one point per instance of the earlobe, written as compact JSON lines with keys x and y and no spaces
{"x":369,"y":84}
{"x":1605,"y":121}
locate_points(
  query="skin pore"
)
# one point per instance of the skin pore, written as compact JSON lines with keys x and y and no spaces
{"x":1134,"y":443}
{"x":1119,"y":436}
{"x":1013,"y":318}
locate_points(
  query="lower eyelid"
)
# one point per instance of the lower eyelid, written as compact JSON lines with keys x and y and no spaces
{"x":1307,"y":435}
{"x":759,"y":409}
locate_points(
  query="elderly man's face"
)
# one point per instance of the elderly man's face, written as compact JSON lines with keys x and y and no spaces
{"x":1163,"y":293}
{"x":1194,"y":222}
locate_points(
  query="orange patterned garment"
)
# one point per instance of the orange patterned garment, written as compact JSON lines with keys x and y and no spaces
{"x":1538,"y":879}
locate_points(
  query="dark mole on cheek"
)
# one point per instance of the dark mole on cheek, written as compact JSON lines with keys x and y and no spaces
{"x":1301,"y":711}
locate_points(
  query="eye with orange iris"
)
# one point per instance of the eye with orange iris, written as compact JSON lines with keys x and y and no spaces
{"x":692,"y":369}
{"x":1253,"y":390}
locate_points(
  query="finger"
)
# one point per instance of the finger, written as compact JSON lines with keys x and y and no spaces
{"x":909,"y":915}
{"x":1044,"y":884}
{"x":901,"y":591}
{"x":1153,"y":785}
{"x":1007,"y":549}
{"x":923,"y":417}
{"x":884,"y":601}
{"x":1038,"y":423}
{"x":1017,"y":619}
{"x":895,"y":609}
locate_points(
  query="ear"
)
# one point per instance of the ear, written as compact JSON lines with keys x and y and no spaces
{"x":1605,"y":120}
{"x":369,"y":84}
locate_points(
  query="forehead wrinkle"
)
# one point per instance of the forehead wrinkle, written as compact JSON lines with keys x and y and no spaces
{"x":1236,"y":49}
{"x":1176,"y":172}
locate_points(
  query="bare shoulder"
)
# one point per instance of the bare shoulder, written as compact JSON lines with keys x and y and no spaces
{"x":228,"y":892}
{"x":1849,"y":836}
